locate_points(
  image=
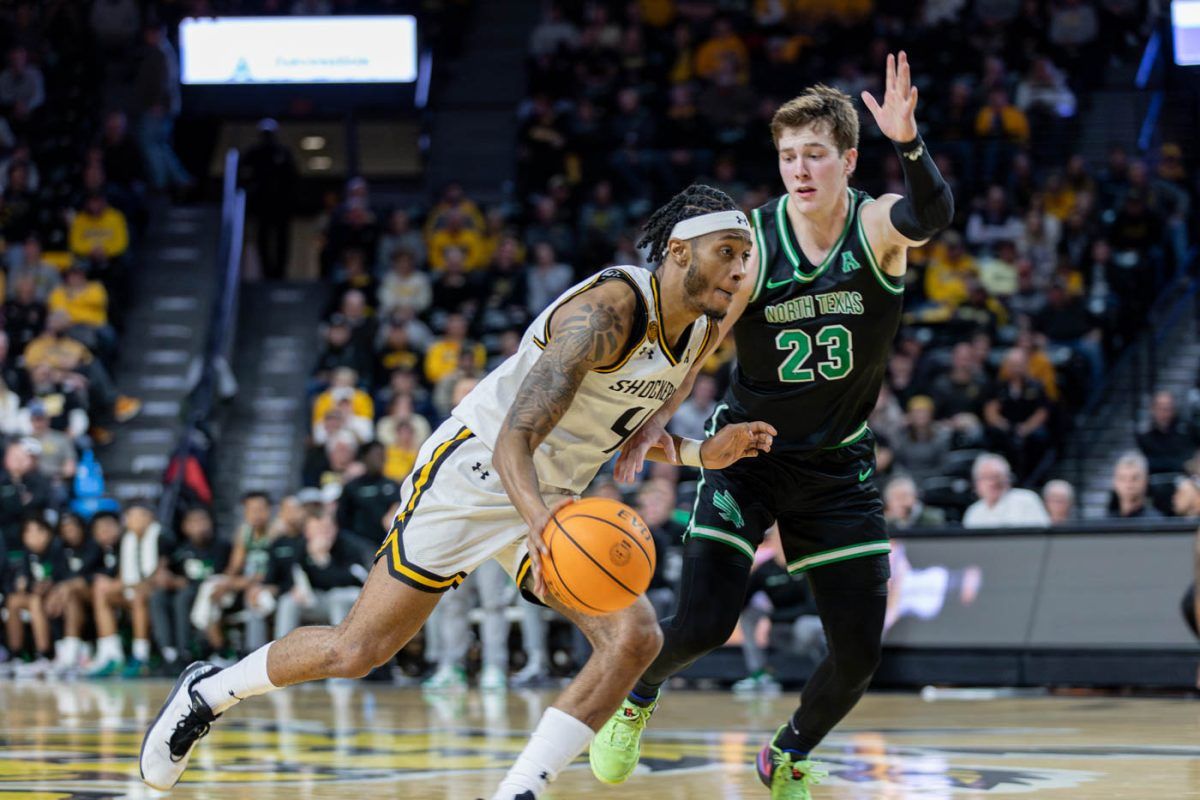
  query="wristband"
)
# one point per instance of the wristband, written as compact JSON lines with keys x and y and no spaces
{"x":910,"y":150}
{"x":689,"y":453}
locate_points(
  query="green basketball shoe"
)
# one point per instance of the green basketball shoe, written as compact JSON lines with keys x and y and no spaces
{"x":787,"y":777}
{"x":615,"y":749}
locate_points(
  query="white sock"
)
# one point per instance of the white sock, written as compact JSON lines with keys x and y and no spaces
{"x":108,"y":648}
{"x":557,"y":741}
{"x":141,"y":650}
{"x":230,"y":686}
{"x":66,"y":652}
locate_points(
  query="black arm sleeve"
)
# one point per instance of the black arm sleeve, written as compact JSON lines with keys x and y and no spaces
{"x":928,"y":205}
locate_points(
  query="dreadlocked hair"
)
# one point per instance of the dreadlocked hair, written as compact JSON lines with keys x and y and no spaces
{"x":693,"y":201}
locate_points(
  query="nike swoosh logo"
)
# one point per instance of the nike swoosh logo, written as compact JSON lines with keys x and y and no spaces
{"x":777,"y":284}
{"x":862,"y":476}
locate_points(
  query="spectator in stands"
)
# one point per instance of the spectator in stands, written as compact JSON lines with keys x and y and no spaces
{"x":68,"y":599}
{"x":400,"y":411}
{"x":692,"y":417}
{"x":22,"y":89}
{"x":549,"y":227}
{"x":23,"y":491}
{"x":468,"y":368}
{"x":158,"y":101}
{"x":269,"y":174}
{"x":724,"y":46}
{"x":343,"y":385}
{"x":921,"y":446}
{"x":236,"y":586}
{"x":85,"y":302}
{"x":333,"y":577}
{"x":1000,"y":505}
{"x":353,"y":226}
{"x":339,"y":351}
{"x":442,"y":357}
{"x":396,"y":352}
{"x":367,"y":498}
{"x":404,"y":286}
{"x":24,"y":313}
{"x":326,"y":465}
{"x":29,"y":582}
{"x":1168,"y":441}
{"x":401,"y":454}
{"x":455,"y":289}
{"x":951,"y":268}
{"x":1017,"y":413}
{"x":1059,"y":498}
{"x":1130,"y":485}
{"x":1185,"y":502}
{"x":548,"y":278}
{"x":61,"y":395}
{"x":57,"y":459}
{"x":182,"y":568}
{"x":995,"y":222}
{"x":902,"y":506}
{"x":1067,"y":322}
{"x":507,"y":288}
{"x":656,"y":505}
{"x":121,"y":158}
{"x":959,"y":394}
{"x":130,"y":590}
{"x":455,"y":234}
{"x":398,"y":236}
{"x":28,"y":261}
{"x":99,"y":232}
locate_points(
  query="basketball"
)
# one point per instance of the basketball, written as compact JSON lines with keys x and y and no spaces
{"x":601,"y":556}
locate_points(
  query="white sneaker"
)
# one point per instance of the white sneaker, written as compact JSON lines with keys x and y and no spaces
{"x":38,"y":668}
{"x":493,"y":679}
{"x":182,"y":721}
{"x":446,"y":679}
{"x":761,"y":683}
{"x":531,"y":676}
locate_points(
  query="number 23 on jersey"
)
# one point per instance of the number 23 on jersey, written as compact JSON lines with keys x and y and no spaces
{"x":834,"y":363}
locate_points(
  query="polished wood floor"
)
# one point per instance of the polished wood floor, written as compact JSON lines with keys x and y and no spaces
{"x":80,"y":740}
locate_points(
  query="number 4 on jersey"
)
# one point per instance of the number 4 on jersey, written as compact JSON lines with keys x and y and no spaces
{"x":839,"y":354}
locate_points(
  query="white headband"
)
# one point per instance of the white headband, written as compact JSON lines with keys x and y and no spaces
{"x":710,"y":223}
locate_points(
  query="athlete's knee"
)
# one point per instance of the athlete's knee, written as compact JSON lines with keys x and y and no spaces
{"x":353,"y":655}
{"x":695,"y":634}
{"x":638,"y":637}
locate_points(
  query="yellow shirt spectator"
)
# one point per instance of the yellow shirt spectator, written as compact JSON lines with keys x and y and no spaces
{"x":59,"y":352}
{"x":442,"y":358}
{"x":467,"y":240}
{"x":99,"y":227}
{"x":85,"y":302}
{"x":1011,"y":120}
{"x":360,"y":402}
{"x":724,"y":44}
{"x":951,"y":267}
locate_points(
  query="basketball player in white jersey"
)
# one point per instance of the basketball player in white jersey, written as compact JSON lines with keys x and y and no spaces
{"x":591,"y":368}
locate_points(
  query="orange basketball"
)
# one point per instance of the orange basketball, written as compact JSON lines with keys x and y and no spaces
{"x":601,"y":556}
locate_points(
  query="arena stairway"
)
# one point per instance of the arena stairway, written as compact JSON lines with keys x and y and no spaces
{"x":263,"y":430}
{"x":166,"y":317}
{"x":1111,"y":427}
{"x":473,"y":132}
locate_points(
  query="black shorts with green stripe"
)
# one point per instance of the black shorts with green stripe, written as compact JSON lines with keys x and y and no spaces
{"x":827,"y":504}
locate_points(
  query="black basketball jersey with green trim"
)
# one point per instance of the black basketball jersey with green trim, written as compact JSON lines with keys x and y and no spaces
{"x":813,"y":343}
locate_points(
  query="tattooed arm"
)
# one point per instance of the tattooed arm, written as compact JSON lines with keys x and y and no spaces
{"x":589,"y":331}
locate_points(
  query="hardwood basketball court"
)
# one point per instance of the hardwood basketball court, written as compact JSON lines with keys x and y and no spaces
{"x":81,"y":740}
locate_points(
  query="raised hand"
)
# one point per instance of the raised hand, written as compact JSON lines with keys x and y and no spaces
{"x":896,"y":118}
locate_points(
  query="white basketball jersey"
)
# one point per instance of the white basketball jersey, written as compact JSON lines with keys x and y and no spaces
{"x":611,"y":403}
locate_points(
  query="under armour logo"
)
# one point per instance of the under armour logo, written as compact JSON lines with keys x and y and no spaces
{"x":741,"y":220}
{"x":544,"y":775}
{"x":647,"y":351}
{"x":483,"y":473}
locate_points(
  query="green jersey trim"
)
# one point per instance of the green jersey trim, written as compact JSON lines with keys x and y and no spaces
{"x":859,"y":433}
{"x":878,"y":548}
{"x":888,"y":282}
{"x":725,"y":537}
{"x":784,"y":228}
{"x":764,"y":264}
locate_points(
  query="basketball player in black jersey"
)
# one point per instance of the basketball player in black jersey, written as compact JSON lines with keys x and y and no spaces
{"x":813,"y":329}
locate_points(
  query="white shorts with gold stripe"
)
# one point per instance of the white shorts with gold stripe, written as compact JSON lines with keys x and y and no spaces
{"x":455,"y":515}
